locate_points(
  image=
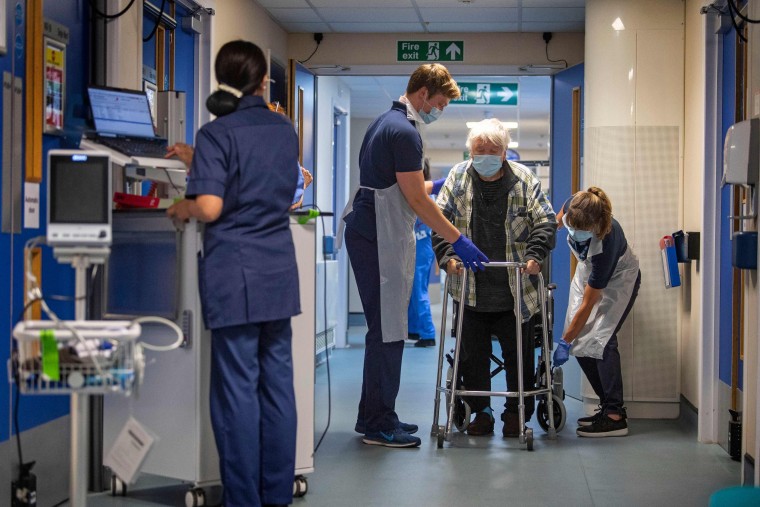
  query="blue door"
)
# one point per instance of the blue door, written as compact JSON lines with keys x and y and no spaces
{"x":561,"y":189}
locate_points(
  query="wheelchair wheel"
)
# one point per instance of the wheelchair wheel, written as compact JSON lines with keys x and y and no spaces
{"x":462,"y":413}
{"x":560,"y":414}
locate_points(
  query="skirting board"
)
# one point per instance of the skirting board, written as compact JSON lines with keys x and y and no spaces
{"x":640,"y":409}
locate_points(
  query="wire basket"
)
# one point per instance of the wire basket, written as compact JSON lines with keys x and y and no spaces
{"x":90,"y":357}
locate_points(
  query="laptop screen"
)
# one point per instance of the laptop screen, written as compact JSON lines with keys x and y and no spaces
{"x":123,"y":112}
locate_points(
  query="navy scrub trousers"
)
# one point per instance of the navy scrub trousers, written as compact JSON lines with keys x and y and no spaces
{"x":251,"y":399}
{"x":605,"y":375}
{"x":382,"y":361}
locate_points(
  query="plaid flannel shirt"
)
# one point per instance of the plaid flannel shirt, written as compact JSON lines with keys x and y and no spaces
{"x":527,"y":207}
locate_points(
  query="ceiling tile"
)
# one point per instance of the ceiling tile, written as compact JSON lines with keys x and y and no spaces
{"x":470,"y":15}
{"x":282,"y":4}
{"x":554,"y":3}
{"x":374,"y":15}
{"x":554,"y":14}
{"x":295,"y":15}
{"x":473,"y":4}
{"x":354,"y":4}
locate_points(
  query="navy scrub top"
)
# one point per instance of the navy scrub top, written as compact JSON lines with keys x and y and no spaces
{"x":391,"y":145}
{"x":247,"y":272}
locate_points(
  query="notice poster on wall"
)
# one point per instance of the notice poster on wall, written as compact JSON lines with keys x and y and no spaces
{"x":55,"y":85}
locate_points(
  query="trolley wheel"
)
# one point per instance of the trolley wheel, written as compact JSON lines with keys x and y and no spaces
{"x":441,"y":435}
{"x":529,"y":438}
{"x":118,"y":487}
{"x":195,"y":497}
{"x":300,"y":486}
{"x":560,"y":414}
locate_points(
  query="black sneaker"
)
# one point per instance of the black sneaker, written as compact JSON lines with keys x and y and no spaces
{"x":604,"y":427}
{"x":425,"y":342}
{"x":591,"y":419}
{"x":413,"y":337}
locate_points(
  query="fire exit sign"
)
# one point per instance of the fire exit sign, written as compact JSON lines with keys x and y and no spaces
{"x":430,"y":51}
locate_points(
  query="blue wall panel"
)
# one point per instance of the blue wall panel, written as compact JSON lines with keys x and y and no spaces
{"x":561,"y":152}
{"x":728,"y":113}
{"x":56,"y":278}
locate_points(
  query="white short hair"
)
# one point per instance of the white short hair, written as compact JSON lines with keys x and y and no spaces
{"x":490,"y":130}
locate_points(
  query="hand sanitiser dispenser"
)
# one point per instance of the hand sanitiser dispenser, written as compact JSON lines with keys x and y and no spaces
{"x":741,"y":153}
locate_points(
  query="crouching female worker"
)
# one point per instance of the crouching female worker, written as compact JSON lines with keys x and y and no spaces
{"x":602,"y":294}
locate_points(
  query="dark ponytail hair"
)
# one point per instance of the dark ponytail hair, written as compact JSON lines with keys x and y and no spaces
{"x":241,"y":65}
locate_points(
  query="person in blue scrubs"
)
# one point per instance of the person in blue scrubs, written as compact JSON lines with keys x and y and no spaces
{"x":421,"y":327}
{"x":241,"y":183}
{"x":379,"y":236}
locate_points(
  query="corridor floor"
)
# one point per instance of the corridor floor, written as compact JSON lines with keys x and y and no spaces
{"x":660,"y":463}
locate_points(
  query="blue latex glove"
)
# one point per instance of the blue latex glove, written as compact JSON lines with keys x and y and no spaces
{"x":472,"y":258}
{"x":437,"y":185}
{"x":561,"y":353}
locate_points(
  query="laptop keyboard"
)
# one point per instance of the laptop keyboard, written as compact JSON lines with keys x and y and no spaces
{"x":135,"y":148}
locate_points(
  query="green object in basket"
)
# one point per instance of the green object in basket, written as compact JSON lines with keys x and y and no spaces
{"x":50,"y":367}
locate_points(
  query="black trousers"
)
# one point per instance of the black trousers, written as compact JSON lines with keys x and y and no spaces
{"x":475,"y":356}
{"x":605,"y":375}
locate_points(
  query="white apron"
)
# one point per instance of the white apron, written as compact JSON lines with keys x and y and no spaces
{"x":606,"y":314}
{"x":396,"y":249}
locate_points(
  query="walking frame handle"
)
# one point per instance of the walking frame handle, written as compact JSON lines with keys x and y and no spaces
{"x":498,"y":264}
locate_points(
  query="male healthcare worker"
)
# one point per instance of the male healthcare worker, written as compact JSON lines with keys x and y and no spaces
{"x":381,"y":244}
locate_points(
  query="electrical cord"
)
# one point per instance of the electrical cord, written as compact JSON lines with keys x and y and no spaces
{"x":732,"y":15}
{"x":318,"y":40}
{"x":327,"y":351}
{"x":735,"y":7}
{"x":110,"y":16}
{"x":158,"y":22}
{"x":547,"y":38}
{"x":24,"y":468}
{"x":168,"y":323}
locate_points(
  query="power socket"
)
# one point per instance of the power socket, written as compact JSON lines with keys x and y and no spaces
{"x":24,"y":491}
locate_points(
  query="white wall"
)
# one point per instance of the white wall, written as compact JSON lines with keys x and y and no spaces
{"x":693,"y":184}
{"x":376,"y":53}
{"x":333,"y":93}
{"x":245,"y":19}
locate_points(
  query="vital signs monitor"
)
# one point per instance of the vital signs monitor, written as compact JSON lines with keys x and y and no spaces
{"x":79,"y":198}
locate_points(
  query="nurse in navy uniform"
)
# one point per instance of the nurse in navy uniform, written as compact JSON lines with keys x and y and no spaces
{"x":241,"y":182}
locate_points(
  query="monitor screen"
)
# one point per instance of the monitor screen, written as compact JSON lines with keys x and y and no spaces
{"x":79,"y":197}
{"x":122,"y":112}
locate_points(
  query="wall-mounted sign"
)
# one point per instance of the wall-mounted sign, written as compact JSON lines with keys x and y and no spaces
{"x":55,"y":85}
{"x":430,"y":51}
{"x":504,"y":94}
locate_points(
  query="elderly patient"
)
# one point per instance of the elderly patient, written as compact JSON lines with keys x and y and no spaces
{"x":501,"y":207}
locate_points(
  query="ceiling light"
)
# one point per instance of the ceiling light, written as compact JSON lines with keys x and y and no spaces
{"x":618,"y":24}
{"x":506,"y":124}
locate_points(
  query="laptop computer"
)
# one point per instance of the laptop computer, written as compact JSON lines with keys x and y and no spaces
{"x":123,"y":122}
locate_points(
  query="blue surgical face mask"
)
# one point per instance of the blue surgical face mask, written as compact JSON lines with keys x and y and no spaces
{"x":487,"y":165}
{"x":577,"y":235}
{"x":430,"y":117}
